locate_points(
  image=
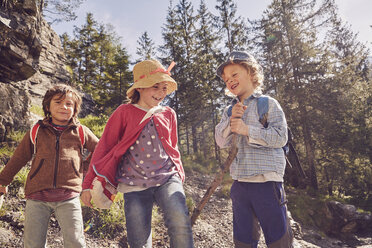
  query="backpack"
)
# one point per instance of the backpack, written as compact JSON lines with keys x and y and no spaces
{"x":290,"y":153}
{"x":35,"y":130}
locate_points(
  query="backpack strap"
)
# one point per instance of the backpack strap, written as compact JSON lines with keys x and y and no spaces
{"x":263,"y":109}
{"x":33,"y":134}
{"x":81,"y":135}
{"x":229,"y":110}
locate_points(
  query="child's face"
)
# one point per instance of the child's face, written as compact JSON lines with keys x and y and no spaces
{"x":151,"y":97}
{"x":238,"y":80}
{"x":62,"y":109}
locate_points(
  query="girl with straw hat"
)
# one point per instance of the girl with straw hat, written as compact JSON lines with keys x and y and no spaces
{"x":138,"y":155}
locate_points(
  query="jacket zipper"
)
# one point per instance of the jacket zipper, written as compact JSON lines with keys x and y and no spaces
{"x":56,"y":163}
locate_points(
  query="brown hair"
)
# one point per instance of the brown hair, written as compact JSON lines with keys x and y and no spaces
{"x":134,"y":98}
{"x":62,"y":90}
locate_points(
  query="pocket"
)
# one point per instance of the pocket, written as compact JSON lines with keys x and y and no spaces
{"x":74,"y":168}
{"x":280,"y":193}
{"x":37,"y":169}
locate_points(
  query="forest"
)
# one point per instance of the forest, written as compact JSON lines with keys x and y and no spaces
{"x":314,"y":66}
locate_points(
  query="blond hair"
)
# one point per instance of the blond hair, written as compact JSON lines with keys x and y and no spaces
{"x":255,"y":71}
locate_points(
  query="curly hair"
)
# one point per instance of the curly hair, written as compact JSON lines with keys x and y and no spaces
{"x":255,"y":70}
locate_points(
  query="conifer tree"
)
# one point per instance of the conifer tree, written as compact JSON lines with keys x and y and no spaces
{"x":232,"y":27}
{"x":205,"y":78}
{"x":178,"y":35}
{"x":295,"y":67}
{"x":146,"y":47}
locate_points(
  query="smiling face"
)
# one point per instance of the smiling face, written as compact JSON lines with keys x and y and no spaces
{"x":151,"y":97}
{"x":238,"y":81}
{"x":61,"y":108}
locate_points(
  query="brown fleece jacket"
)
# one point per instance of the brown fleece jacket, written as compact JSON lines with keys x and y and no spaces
{"x":58,"y":159}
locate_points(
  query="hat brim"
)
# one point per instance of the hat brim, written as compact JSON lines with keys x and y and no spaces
{"x":151,"y":80}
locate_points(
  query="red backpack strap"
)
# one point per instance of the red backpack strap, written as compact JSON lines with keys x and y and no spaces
{"x":33,"y":134}
{"x":81,"y":134}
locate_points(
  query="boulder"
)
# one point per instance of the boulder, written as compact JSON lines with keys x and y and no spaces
{"x":345,"y":219}
{"x":31,"y":61}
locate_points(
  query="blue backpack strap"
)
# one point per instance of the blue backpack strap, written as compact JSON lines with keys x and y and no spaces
{"x":229,"y":110}
{"x":263,"y":109}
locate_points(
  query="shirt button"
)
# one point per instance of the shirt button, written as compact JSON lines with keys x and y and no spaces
{"x":162,"y":138}
{"x":157,"y":125}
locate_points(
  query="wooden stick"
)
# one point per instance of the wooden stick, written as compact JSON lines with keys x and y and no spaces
{"x":218,"y":178}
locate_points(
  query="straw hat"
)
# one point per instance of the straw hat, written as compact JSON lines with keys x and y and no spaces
{"x":150,"y":72}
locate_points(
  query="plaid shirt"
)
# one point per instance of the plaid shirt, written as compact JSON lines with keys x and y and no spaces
{"x":261,"y":151}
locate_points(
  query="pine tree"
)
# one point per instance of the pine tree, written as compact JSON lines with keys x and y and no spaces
{"x":205,"y":78}
{"x":178,"y":35}
{"x":233,"y":28}
{"x":98,"y":63}
{"x":295,"y":67}
{"x":146,"y":48}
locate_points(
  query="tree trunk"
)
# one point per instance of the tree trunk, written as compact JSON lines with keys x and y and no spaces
{"x":194,"y":139}
{"x":309,"y":150}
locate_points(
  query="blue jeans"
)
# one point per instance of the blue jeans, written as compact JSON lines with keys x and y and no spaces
{"x":171,"y":199}
{"x":68,"y":214}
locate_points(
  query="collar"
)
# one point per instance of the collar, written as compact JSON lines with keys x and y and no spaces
{"x":47,"y":122}
{"x":254,"y":95}
{"x":149,"y":112}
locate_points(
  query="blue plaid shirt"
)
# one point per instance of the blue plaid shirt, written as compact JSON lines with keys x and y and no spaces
{"x":261,"y":151}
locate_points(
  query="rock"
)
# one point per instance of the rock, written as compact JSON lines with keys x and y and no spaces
{"x":5,"y":237}
{"x":31,"y":61}
{"x":345,"y":219}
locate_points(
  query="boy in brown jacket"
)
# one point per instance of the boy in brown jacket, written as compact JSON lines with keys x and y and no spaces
{"x":54,"y":181}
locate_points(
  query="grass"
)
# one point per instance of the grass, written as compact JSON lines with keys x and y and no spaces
{"x":37,"y":110}
{"x":6,"y":151}
{"x":105,"y":223}
{"x":95,"y":123}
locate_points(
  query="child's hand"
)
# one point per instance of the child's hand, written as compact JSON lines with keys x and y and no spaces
{"x":3,"y":190}
{"x":238,"y":126}
{"x":238,"y":110}
{"x":86,"y":197}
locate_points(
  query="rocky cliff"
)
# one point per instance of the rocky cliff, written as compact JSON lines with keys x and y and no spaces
{"x":31,"y":60}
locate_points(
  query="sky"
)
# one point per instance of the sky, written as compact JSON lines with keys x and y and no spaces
{"x":131,"y":19}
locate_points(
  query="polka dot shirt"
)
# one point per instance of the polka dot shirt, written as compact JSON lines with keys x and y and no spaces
{"x":145,"y":164}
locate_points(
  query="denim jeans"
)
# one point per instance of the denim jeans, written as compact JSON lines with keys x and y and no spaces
{"x":68,"y":214}
{"x":171,"y":199}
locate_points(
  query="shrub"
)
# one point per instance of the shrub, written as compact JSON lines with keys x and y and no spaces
{"x":95,"y":123}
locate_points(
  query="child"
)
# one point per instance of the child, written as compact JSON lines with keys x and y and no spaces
{"x":54,"y":181}
{"x":257,"y":192}
{"x":138,"y":154}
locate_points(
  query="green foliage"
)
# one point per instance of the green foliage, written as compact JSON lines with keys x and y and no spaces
{"x":190,"y":204}
{"x":16,"y":187}
{"x":224,"y":189}
{"x":37,"y":110}
{"x":16,"y":136}
{"x":95,"y":123}
{"x":6,"y":151}
{"x":98,"y":62}
{"x":59,"y":11}
{"x":105,"y":223}
{"x":199,"y":163}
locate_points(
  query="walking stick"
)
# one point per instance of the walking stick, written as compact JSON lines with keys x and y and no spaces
{"x":218,"y":178}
